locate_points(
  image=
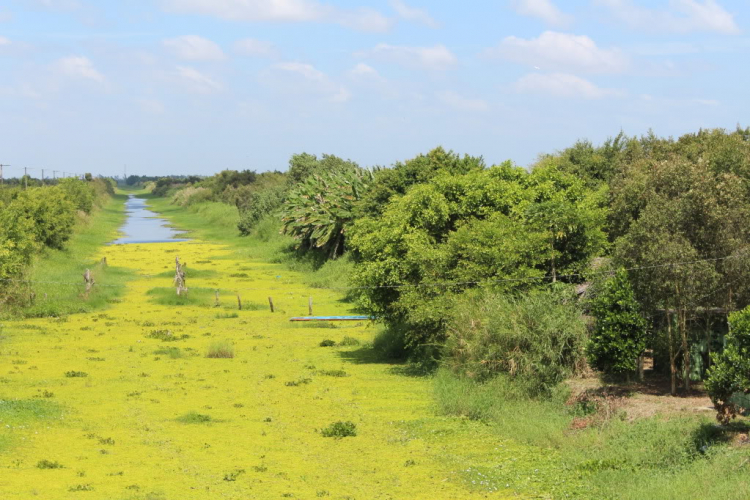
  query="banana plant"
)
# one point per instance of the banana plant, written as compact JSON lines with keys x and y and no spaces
{"x":318,"y":211}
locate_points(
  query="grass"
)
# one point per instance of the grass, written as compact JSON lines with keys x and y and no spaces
{"x":220,"y":349}
{"x":59,"y":288}
{"x":195,"y":297}
{"x":649,"y":458}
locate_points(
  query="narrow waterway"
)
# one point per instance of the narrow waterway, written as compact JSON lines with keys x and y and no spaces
{"x":145,"y":226}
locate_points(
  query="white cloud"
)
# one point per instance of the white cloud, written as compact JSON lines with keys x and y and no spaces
{"x":4,"y":42}
{"x":461,"y":103}
{"x":413,"y":14}
{"x":437,"y":58}
{"x":255,"y":48}
{"x":79,"y":67}
{"x":364,"y":19}
{"x":194,"y":48}
{"x":197,"y":82}
{"x":683,"y":16}
{"x":562,"y":85}
{"x":544,"y":10}
{"x":561,"y":51}
{"x":296,"y":77}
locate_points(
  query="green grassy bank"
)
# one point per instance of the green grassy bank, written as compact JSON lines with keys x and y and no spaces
{"x":56,"y":286}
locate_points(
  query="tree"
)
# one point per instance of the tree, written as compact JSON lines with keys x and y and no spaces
{"x":619,"y":336}
{"x":457,"y":232}
{"x":728,"y":381}
{"x":305,"y":165}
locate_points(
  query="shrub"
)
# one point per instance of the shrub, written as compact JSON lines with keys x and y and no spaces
{"x":619,"y":336}
{"x":537,"y":339}
{"x":328,"y":343}
{"x":194,"y":418}
{"x":191,"y":195}
{"x":728,"y":381}
{"x":340,"y":430}
{"x":220,"y":349}
{"x":75,"y":374}
{"x":47,"y":464}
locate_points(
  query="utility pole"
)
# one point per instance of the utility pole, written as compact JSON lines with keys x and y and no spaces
{"x":42,"y":177}
{"x":54,"y":175}
{"x":1,"y":173}
{"x":25,"y":179}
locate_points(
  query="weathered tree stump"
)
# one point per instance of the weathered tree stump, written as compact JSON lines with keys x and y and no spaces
{"x":179,"y":277}
{"x":88,"y":279}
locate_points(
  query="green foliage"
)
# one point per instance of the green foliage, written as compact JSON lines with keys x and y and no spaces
{"x":194,"y":418}
{"x":619,"y":335}
{"x":51,"y":213}
{"x":305,"y":165}
{"x":340,"y":430}
{"x":728,"y":381}
{"x":80,"y":193}
{"x":390,"y":182}
{"x":496,"y":227}
{"x":318,"y":211}
{"x":536,"y":339}
{"x":259,"y":203}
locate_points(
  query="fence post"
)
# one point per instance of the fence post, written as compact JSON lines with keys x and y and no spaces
{"x":270,"y":302}
{"x":239,"y":301}
{"x":309,"y":306}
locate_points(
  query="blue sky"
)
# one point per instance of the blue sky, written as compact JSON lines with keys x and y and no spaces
{"x":197,"y":86}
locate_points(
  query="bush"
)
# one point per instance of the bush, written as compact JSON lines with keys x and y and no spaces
{"x":191,"y":195}
{"x":340,"y":430}
{"x":194,"y":418}
{"x":51,"y":212}
{"x":536,"y":339}
{"x":728,"y":381}
{"x":619,"y":336}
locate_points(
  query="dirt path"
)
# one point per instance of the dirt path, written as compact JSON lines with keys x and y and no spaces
{"x":117,"y":432}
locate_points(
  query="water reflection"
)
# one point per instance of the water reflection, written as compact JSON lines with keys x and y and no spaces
{"x":145,"y":226}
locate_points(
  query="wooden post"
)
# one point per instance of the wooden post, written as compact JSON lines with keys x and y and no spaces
{"x":270,"y":302}
{"x":309,"y":306}
{"x":89,"y":280}
{"x":179,"y":277}
{"x":216,"y":304}
{"x":104,"y":262}
{"x":239,"y":302}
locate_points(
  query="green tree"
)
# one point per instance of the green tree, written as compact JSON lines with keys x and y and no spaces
{"x":619,"y":336}
{"x":457,"y":232}
{"x":728,"y":381}
{"x":51,"y":212}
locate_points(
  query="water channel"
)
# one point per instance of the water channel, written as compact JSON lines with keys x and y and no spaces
{"x":145,"y":226}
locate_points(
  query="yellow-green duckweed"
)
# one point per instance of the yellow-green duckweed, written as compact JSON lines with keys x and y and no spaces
{"x":126,"y":403}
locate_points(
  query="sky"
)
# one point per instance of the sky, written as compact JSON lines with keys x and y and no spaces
{"x":198,"y":86}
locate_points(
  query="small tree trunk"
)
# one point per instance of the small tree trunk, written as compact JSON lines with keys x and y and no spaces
{"x":685,"y":349}
{"x":672,"y":357}
{"x":640,"y":367}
